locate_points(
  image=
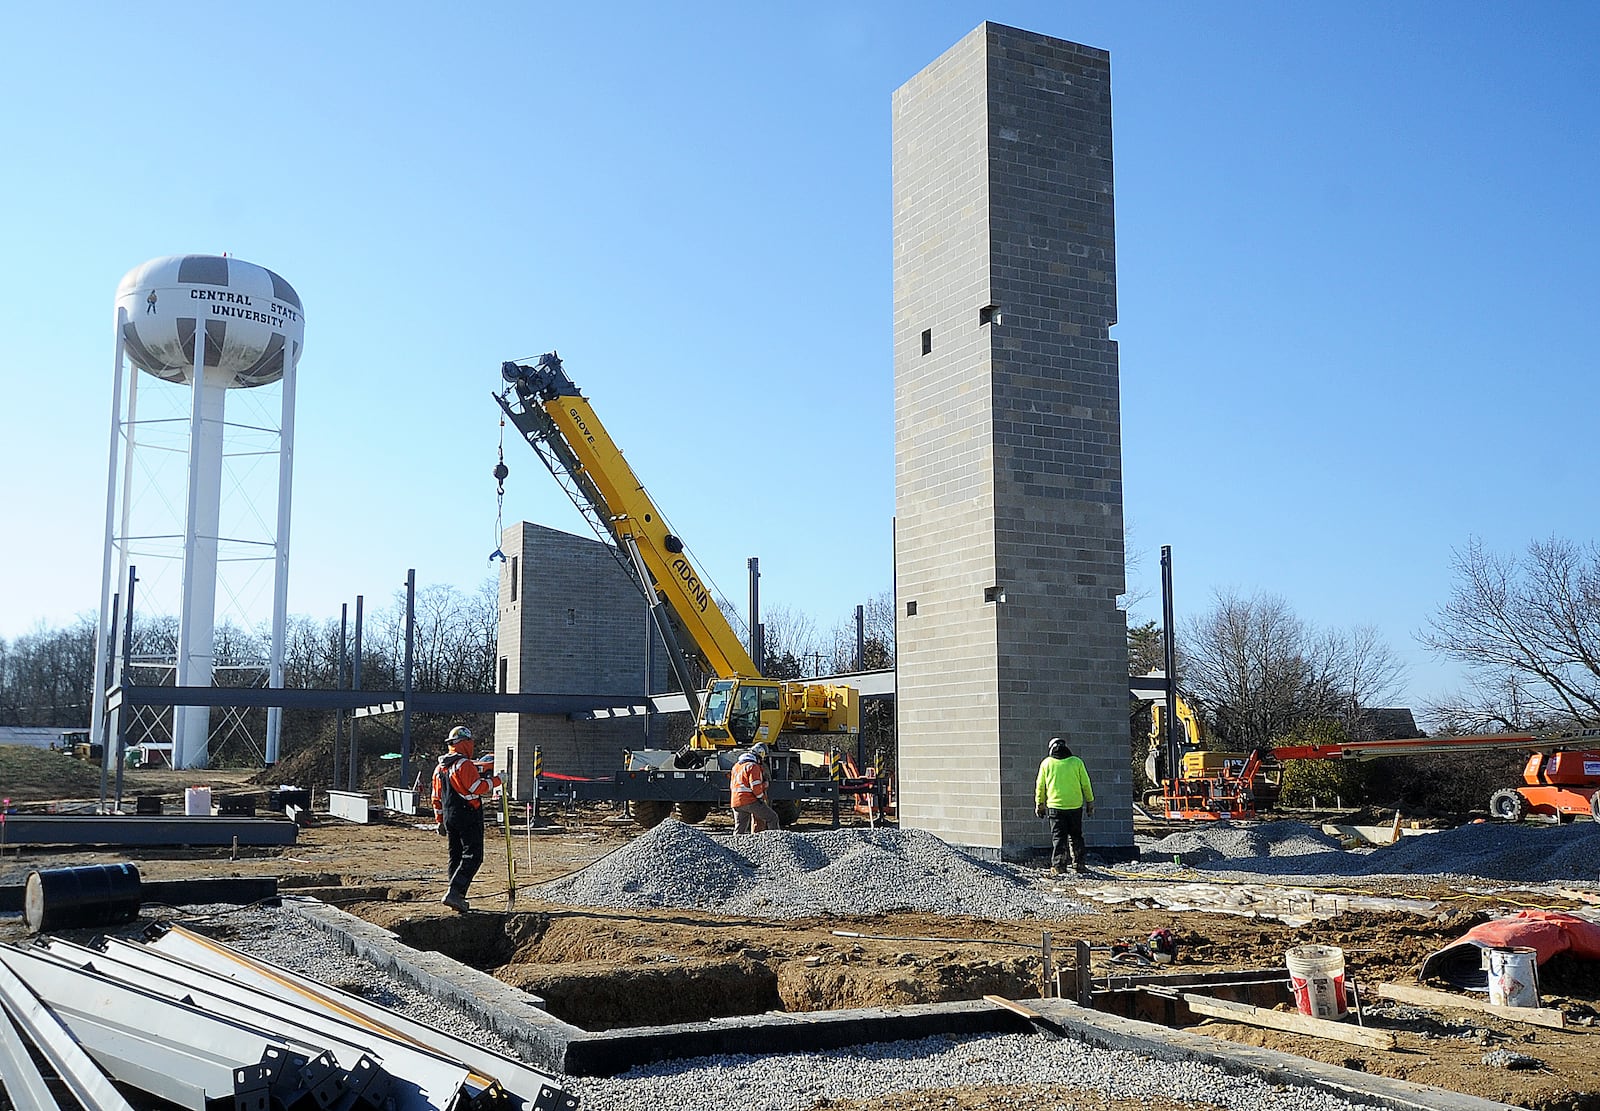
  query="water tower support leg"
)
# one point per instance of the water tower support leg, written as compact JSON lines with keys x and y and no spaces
{"x":201,"y":527}
{"x":280,"y":582}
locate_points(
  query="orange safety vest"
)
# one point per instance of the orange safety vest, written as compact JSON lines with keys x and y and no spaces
{"x":464,"y":777}
{"x":748,"y":782}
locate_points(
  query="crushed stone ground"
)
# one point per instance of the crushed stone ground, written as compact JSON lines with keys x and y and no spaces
{"x":1515,"y":853}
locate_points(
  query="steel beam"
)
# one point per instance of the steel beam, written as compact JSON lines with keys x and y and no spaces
{"x":42,"y":829}
{"x":422,"y":1077}
{"x":442,"y":702}
{"x":183,"y":1054}
{"x":88,"y":1085}
{"x":20,"y":1078}
{"x":525,"y":1086}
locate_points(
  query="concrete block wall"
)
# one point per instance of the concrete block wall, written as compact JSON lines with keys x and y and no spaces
{"x":1008,"y":478}
{"x":571,"y":622}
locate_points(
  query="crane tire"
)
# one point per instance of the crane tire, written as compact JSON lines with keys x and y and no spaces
{"x":1594,"y":806}
{"x":788,"y":811}
{"x":693,"y":812}
{"x":1507,"y":805}
{"x":649,"y":813}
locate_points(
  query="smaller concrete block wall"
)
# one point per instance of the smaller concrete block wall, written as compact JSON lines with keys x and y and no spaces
{"x":571,"y":622}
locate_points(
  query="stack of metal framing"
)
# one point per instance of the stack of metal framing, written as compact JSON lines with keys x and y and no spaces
{"x":190,"y":1021}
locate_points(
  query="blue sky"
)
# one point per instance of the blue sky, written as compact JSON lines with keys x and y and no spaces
{"x":1357,"y":255}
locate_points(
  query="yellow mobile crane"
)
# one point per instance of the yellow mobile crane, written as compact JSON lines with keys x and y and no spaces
{"x":740,"y":707}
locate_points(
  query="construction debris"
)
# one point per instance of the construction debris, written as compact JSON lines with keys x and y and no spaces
{"x":1294,"y":906}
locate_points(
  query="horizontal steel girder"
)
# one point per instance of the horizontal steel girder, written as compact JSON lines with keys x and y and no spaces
{"x":40,"y":829}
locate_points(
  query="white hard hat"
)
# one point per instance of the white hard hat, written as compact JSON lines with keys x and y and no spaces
{"x":459,"y":733}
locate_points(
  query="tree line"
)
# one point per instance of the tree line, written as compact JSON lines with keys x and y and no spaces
{"x":47,"y":676}
{"x":1525,"y":627}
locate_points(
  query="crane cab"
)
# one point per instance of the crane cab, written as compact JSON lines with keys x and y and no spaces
{"x":740,"y":712}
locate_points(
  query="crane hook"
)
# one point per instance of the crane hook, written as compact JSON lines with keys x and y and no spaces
{"x":500,"y":472}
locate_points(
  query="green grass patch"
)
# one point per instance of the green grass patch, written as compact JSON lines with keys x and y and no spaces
{"x":29,"y":774}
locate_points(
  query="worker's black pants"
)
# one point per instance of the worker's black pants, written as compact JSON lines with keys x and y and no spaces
{"x":1066,"y":837}
{"x":464,"y":826}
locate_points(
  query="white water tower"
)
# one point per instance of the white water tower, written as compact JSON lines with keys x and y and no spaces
{"x":213,"y":324}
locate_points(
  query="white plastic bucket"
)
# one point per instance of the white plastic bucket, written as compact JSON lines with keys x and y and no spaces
{"x":1316,"y":976}
{"x":1513,"y":976}
{"x":197,"y":802}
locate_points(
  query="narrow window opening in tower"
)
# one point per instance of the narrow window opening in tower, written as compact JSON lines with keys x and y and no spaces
{"x":572,"y":617}
{"x":927,"y":341}
{"x":503,"y":665}
{"x":515,"y":561}
{"x":911,"y":609}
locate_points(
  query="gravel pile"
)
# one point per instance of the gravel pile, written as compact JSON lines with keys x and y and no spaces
{"x":1484,"y":851}
{"x":795,"y":1082}
{"x":802,"y":875}
{"x":1230,"y":842}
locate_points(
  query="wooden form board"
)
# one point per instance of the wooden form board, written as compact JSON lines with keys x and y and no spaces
{"x":1429,"y":997}
{"x":1293,"y":1023}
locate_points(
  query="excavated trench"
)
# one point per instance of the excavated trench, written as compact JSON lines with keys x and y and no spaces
{"x":607,"y":978}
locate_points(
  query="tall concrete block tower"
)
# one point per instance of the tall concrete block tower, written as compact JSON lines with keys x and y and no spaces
{"x":571,"y":622}
{"x":1008,"y":442}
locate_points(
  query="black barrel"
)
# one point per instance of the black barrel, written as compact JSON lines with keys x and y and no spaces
{"x":93,"y":895}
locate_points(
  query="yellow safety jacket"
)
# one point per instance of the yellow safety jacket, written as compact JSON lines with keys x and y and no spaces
{"x":1063,"y":784}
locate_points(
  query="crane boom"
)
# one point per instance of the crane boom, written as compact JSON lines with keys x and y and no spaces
{"x":556,"y":414}
{"x":561,"y":426}
{"x":1428,"y":746}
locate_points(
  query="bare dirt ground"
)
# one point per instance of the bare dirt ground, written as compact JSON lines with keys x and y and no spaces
{"x":607,"y":968}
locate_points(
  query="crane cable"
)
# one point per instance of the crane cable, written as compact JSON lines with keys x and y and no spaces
{"x":500,"y":472}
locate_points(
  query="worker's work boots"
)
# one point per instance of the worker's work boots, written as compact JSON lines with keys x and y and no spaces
{"x":455,"y":902}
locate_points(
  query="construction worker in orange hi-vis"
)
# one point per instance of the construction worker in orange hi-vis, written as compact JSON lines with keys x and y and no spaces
{"x":460,"y":784}
{"x":751,"y":814}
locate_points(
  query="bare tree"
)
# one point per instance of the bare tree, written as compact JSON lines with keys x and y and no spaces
{"x":877,"y":634}
{"x":46,"y":676}
{"x":1358,"y":670}
{"x":1246,"y":660}
{"x":453,"y":646}
{"x":790,"y":644}
{"x":1260,"y":670}
{"x":1132,"y":559}
{"x":1528,"y":630}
